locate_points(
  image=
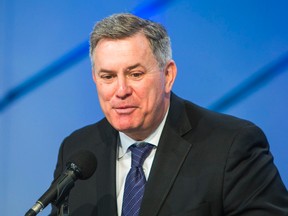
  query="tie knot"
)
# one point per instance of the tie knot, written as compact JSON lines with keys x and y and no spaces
{"x":140,"y":153}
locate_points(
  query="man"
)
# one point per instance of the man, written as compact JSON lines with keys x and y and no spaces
{"x":200,"y":163}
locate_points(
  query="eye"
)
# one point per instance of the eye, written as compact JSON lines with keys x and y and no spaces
{"x":136,"y":75}
{"x":107,"y":76}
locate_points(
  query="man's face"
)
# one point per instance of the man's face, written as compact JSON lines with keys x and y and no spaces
{"x":133,"y":92}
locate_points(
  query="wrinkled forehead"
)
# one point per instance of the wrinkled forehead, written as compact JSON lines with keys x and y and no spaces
{"x":138,"y":40}
{"x":119,"y":38}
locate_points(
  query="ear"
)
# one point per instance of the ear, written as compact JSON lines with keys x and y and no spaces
{"x":93,"y":75}
{"x":170,"y":75}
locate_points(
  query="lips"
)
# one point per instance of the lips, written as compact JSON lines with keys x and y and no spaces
{"x":125,"y":110}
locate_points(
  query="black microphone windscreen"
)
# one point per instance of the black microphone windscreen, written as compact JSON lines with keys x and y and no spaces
{"x":85,"y":161}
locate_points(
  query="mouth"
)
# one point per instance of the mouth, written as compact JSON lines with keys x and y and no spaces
{"x":125,"y":110}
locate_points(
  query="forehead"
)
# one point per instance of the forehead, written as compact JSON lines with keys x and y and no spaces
{"x":117,"y":52}
{"x":137,"y":41}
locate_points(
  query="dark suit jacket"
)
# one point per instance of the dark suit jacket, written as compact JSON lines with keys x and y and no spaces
{"x":206,"y":164}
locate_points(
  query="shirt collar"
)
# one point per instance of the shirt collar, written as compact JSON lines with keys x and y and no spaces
{"x":126,"y":141}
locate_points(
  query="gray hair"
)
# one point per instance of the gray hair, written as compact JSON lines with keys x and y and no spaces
{"x":123,"y":25}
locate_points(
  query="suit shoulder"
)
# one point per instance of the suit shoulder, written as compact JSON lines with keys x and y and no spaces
{"x":214,"y":119}
{"x":88,"y":135}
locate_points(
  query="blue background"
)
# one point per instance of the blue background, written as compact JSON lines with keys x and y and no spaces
{"x":221,"y":48}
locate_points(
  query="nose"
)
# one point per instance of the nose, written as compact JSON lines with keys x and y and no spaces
{"x":123,"y":88}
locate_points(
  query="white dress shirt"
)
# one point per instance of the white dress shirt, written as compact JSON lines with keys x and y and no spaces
{"x":123,"y":162}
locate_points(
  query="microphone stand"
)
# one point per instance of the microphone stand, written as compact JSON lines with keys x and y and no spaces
{"x":64,"y":208}
{"x":62,"y":193}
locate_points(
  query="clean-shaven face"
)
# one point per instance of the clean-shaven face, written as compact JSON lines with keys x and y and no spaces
{"x":134,"y":93}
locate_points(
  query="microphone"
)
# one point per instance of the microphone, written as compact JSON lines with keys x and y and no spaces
{"x":81,"y":166}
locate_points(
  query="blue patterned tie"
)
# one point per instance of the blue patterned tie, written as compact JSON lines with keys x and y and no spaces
{"x":135,"y":180}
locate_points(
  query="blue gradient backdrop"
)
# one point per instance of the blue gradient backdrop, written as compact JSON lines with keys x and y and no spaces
{"x":220,"y":48}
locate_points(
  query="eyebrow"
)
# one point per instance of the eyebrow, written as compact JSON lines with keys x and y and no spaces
{"x":106,"y":71}
{"x":133,"y":67}
{"x":127,"y":69}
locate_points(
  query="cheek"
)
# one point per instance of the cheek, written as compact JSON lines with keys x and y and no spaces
{"x":105,"y":93}
{"x":152,"y":95}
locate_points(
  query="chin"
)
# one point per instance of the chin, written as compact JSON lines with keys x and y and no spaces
{"x":124,"y":129}
{"x":127,"y":129}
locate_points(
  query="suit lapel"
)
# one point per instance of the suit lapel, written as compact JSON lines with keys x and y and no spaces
{"x":170,"y":155}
